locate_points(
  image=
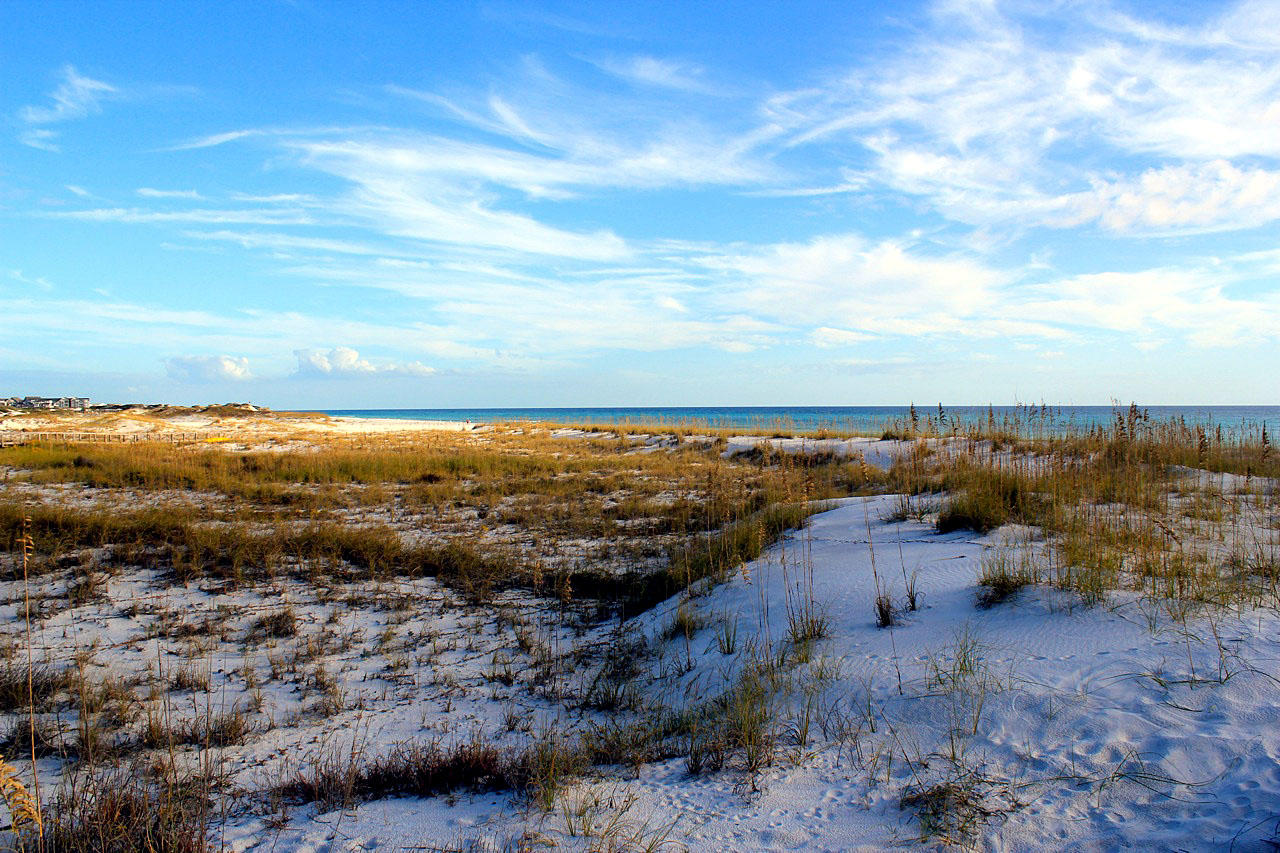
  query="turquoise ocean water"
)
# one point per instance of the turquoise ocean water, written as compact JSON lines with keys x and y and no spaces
{"x":863,"y":419}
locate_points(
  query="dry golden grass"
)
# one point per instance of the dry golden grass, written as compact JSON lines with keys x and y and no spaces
{"x":568,"y":520}
{"x":1134,"y":506}
{"x":482,"y":512}
{"x":24,"y":810}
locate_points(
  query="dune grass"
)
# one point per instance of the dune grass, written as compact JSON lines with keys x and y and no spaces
{"x":1138,"y":505}
{"x":686,"y":508}
{"x":1110,"y":509}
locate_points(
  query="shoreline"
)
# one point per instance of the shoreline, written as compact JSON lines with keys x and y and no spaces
{"x":836,"y":421}
{"x":250,"y":426}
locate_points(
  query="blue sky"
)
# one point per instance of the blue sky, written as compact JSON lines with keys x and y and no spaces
{"x":330,"y":205}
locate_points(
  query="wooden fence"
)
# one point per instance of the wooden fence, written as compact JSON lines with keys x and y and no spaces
{"x":11,"y":438}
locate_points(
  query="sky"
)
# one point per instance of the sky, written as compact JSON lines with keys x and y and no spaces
{"x":401,"y":205}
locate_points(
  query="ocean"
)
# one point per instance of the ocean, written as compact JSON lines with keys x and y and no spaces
{"x":857,"y":419}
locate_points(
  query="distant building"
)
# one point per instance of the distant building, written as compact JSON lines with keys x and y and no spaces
{"x":45,"y":402}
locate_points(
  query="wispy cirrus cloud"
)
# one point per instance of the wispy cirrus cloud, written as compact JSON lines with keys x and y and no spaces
{"x":827,"y":337}
{"x":481,"y":229}
{"x":584,"y":139}
{"x":655,"y":71}
{"x":1185,"y":302}
{"x":552,"y":146}
{"x":41,"y":138}
{"x":432,"y":189}
{"x":151,"y":192}
{"x":32,"y":280}
{"x":455,"y":193}
{"x":523,"y":316}
{"x":135,"y":215}
{"x":75,"y":97}
{"x":848,"y":290}
{"x":214,"y":139}
{"x":996,"y":115}
{"x":280,"y":242}
{"x":425,"y":209}
{"x":863,"y":286}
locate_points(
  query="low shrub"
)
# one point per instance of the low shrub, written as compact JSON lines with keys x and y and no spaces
{"x":338,"y":777}
{"x":22,"y":685}
{"x":123,"y":811}
{"x":1003,"y":574}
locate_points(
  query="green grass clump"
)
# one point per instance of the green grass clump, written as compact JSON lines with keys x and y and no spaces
{"x":45,"y":683}
{"x":988,"y":499}
{"x":340,"y":778}
{"x":175,"y":539}
{"x":1004,"y":574}
{"x":123,"y":810}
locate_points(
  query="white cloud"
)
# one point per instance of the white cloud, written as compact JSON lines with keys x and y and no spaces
{"x":214,"y":140}
{"x":1191,"y":301}
{"x":827,"y":337}
{"x":1210,"y":196}
{"x":839,"y":291}
{"x":457,"y":192}
{"x":846,"y":290}
{"x":653,"y":71}
{"x":39,"y":137}
{"x":346,"y":362}
{"x":149,"y":192}
{"x":207,"y":216}
{"x":288,"y":242}
{"x":997,"y":114}
{"x":437,"y":195}
{"x":990,"y":115}
{"x":275,"y":198}
{"x":406,"y":191}
{"x":77,"y":190}
{"x":586,"y":139}
{"x":524,"y":315}
{"x":863,"y":286}
{"x":33,"y":280}
{"x":126,"y":327}
{"x":207,"y":368}
{"x":75,"y":97}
